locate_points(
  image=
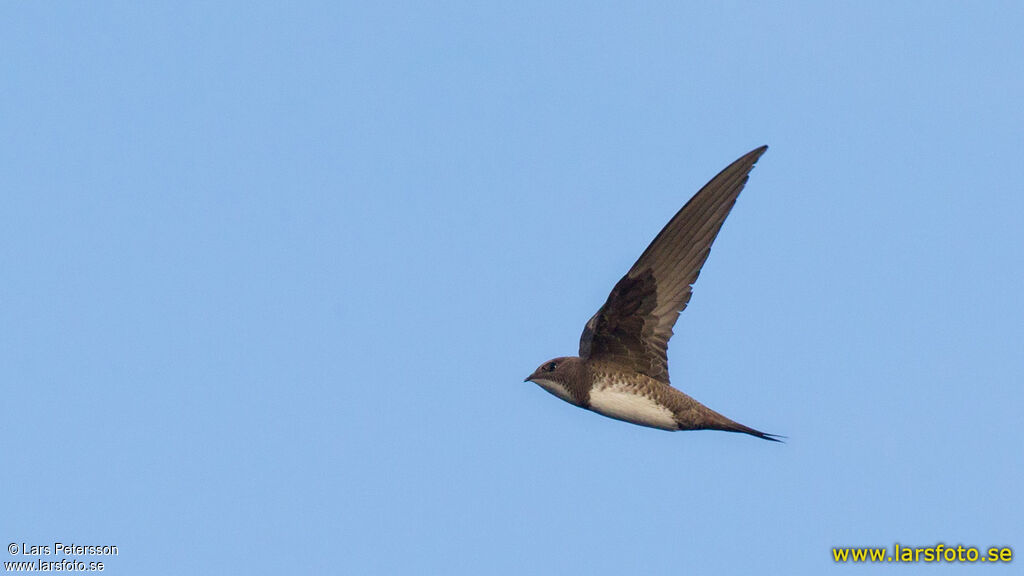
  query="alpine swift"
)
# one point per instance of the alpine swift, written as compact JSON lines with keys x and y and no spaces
{"x":622,"y":369}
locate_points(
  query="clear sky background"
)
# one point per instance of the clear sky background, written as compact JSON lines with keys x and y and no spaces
{"x":271,"y":279}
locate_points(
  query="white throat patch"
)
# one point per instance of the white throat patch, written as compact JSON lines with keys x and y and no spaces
{"x":556,"y":389}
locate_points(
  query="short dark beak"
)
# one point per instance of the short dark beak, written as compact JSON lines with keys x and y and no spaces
{"x":528,"y":378}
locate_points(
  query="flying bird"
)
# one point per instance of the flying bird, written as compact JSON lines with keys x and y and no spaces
{"x":622,"y":369}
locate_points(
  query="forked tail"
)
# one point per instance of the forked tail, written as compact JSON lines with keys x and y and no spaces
{"x":714,"y":421}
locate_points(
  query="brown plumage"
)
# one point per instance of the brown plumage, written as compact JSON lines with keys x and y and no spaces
{"x":622,"y":368}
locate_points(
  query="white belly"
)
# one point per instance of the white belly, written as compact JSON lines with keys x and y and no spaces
{"x":615,"y":401}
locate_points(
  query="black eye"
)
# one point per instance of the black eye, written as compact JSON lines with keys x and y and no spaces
{"x":551,"y":367}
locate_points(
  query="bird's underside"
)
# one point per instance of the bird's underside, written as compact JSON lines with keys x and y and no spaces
{"x":642,"y":400}
{"x":635,"y":398}
{"x":622,"y":368}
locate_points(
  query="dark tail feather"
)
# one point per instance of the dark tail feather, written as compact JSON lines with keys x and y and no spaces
{"x":715,"y":421}
{"x":748,"y":430}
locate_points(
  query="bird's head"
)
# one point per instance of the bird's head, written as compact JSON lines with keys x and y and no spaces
{"x":550,"y":370}
{"x":558,"y":376}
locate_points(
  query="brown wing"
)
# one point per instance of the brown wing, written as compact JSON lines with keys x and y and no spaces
{"x":633,"y":327}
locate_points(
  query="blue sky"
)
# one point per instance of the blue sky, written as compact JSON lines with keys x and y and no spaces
{"x":273,"y":276}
